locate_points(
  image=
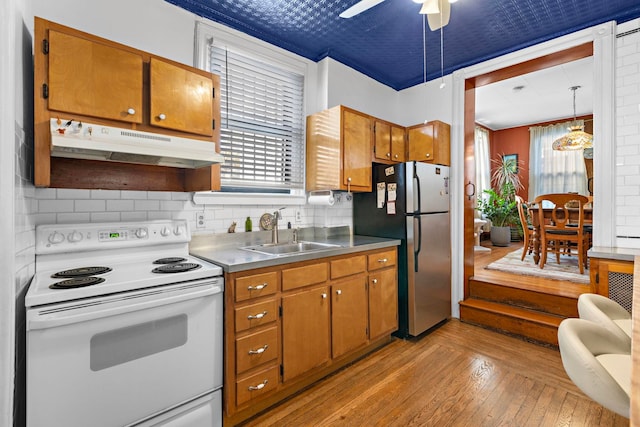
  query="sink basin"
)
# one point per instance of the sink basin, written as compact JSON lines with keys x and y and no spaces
{"x":282,"y":249}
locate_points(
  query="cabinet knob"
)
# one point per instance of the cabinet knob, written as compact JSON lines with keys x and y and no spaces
{"x":131,"y":111}
{"x":162,"y":116}
{"x":259,"y":386}
{"x":374,"y":281}
{"x":428,"y":155}
{"x":383,"y":260}
{"x":339,"y":292}
{"x":396,"y":156}
{"x":324,"y":296}
{"x":388,"y":154}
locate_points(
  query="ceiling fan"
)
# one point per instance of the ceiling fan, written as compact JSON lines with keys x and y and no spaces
{"x":437,"y":11}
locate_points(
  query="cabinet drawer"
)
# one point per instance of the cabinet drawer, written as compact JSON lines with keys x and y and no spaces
{"x":381,"y":260}
{"x":256,"y":349}
{"x":348,"y":266}
{"x":256,"y":286}
{"x":256,"y":385}
{"x":298,"y":277}
{"x":255,"y":315}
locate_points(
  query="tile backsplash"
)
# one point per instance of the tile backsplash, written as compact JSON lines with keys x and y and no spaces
{"x":55,"y":206}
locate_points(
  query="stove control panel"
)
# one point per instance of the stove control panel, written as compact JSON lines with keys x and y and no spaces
{"x":80,"y":237}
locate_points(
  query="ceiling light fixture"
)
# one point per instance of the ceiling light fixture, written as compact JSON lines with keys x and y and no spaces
{"x":577,"y":138}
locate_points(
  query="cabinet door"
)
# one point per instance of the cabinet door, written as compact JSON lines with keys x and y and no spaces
{"x":420,"y":140}
{"x":383,"y":303}
{"x":349,"y":315}
{"x":356,"y":154}
{"x":181,"y":99}
{"x":94,"y":79}
{"x":398,"y":145}
{"x":305,"y":331}
{"x":382,"y":141}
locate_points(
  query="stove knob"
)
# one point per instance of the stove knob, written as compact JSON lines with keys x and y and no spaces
{"x":75,"y":236}
{"x":56,"y":238}
{"x":165,"y":231}
{"x":141,"y":233}
{"x":178,"y":230}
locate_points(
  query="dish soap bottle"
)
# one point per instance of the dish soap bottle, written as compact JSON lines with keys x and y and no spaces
{"x":247,"y":224}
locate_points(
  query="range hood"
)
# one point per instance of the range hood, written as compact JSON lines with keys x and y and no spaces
{"x":80,"y":140}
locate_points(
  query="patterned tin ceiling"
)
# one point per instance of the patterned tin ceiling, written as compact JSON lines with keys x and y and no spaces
{"x":385,"y":42}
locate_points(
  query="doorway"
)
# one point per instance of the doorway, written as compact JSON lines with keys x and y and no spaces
{"x":597,"y":42}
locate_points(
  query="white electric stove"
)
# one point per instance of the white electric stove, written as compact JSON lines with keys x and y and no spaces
{"x":123,"y":327}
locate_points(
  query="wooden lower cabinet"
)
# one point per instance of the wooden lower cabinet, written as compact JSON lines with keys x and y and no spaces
{"x":306,"y":331}
{"x":288,"y":326}
{"x":349,"y":315}
{"x":613,"y":279}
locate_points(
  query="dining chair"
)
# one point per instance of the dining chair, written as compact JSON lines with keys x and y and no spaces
{"x":527,"y":228}
{"x":557,"y":226}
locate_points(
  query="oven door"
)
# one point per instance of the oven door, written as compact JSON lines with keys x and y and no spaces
{"x":118,"y":359}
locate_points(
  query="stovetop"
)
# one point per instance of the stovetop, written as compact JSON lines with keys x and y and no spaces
{"x":129,"y":260}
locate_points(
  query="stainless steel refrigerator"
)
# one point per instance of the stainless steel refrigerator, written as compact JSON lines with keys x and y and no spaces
{"x":410,"y":202}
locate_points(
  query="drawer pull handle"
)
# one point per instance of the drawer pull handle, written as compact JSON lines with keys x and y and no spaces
{"x":259,"y":386}
{"x":257,"y":316}
{"x":324,"y":296}
{"x":374,"y":281}
{"x":257,"y":288}
{"x":383,"y":260}
{"x":260,"y":350}
{"x":131,"y":111}
{"x":339,"y":292}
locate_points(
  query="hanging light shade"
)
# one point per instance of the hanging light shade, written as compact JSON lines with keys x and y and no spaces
{"x":577,"y":138}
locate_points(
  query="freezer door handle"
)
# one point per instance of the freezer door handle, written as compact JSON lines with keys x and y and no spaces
{"x":418,"y":240}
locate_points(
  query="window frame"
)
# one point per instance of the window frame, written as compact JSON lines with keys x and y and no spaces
{"x":261,"y":51}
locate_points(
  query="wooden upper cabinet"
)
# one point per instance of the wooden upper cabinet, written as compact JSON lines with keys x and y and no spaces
{"x":429,"y":142}
{"x":339,"y":142}
{"x":93,"y":79}
{"x":180,"y":99}
{"x":389,"y":142}
{"x":90,"y":79}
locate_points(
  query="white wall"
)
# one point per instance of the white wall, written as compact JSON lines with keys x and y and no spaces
{"x":627,"y":154}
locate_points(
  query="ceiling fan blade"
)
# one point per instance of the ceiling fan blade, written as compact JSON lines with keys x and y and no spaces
{"x":359,"y":7}
{"x":438,"y":20}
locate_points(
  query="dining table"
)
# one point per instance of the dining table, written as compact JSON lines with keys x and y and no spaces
{"x":573,"y":213}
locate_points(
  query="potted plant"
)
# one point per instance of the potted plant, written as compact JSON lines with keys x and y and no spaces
{"x":506,"y":180}
{"x":502,"y":213}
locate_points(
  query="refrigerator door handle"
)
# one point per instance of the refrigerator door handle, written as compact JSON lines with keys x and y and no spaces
{"x":418,"y":207}
{"x":418,"y":246}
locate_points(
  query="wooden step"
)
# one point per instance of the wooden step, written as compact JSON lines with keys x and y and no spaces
{"x":529,"y":324}
{"x":509,"y":293}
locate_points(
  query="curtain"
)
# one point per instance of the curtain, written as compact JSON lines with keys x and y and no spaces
{"x":483,"y":168}
{"x":553,"y":171}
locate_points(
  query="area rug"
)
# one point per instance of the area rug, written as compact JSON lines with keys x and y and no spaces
{"x":566,"y":270}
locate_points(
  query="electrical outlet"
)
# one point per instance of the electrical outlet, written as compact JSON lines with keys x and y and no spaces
{"x":298,"y":216}
{"x":200,"y":219}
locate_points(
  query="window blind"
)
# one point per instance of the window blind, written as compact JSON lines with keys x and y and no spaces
{"x":262,"y":129}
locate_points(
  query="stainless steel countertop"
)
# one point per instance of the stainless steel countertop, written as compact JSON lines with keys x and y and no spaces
{"x":225,"y":250}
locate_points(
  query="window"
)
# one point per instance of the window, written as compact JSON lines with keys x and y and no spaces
{"x":262,"y":121}
{"x":554,"y":171}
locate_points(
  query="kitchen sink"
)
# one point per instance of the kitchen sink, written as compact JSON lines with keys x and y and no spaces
{"x":281,"y":249}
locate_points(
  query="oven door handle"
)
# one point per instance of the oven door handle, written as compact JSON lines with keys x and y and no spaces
{"x":82,"y":312}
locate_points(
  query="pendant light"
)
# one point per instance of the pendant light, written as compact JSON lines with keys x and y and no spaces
{"x":577,"y":138}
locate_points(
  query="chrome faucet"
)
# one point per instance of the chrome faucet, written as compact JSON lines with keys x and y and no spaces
{"x":274,"y":231}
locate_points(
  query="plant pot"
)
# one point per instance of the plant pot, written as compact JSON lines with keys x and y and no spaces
{"x":500,"y":236}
